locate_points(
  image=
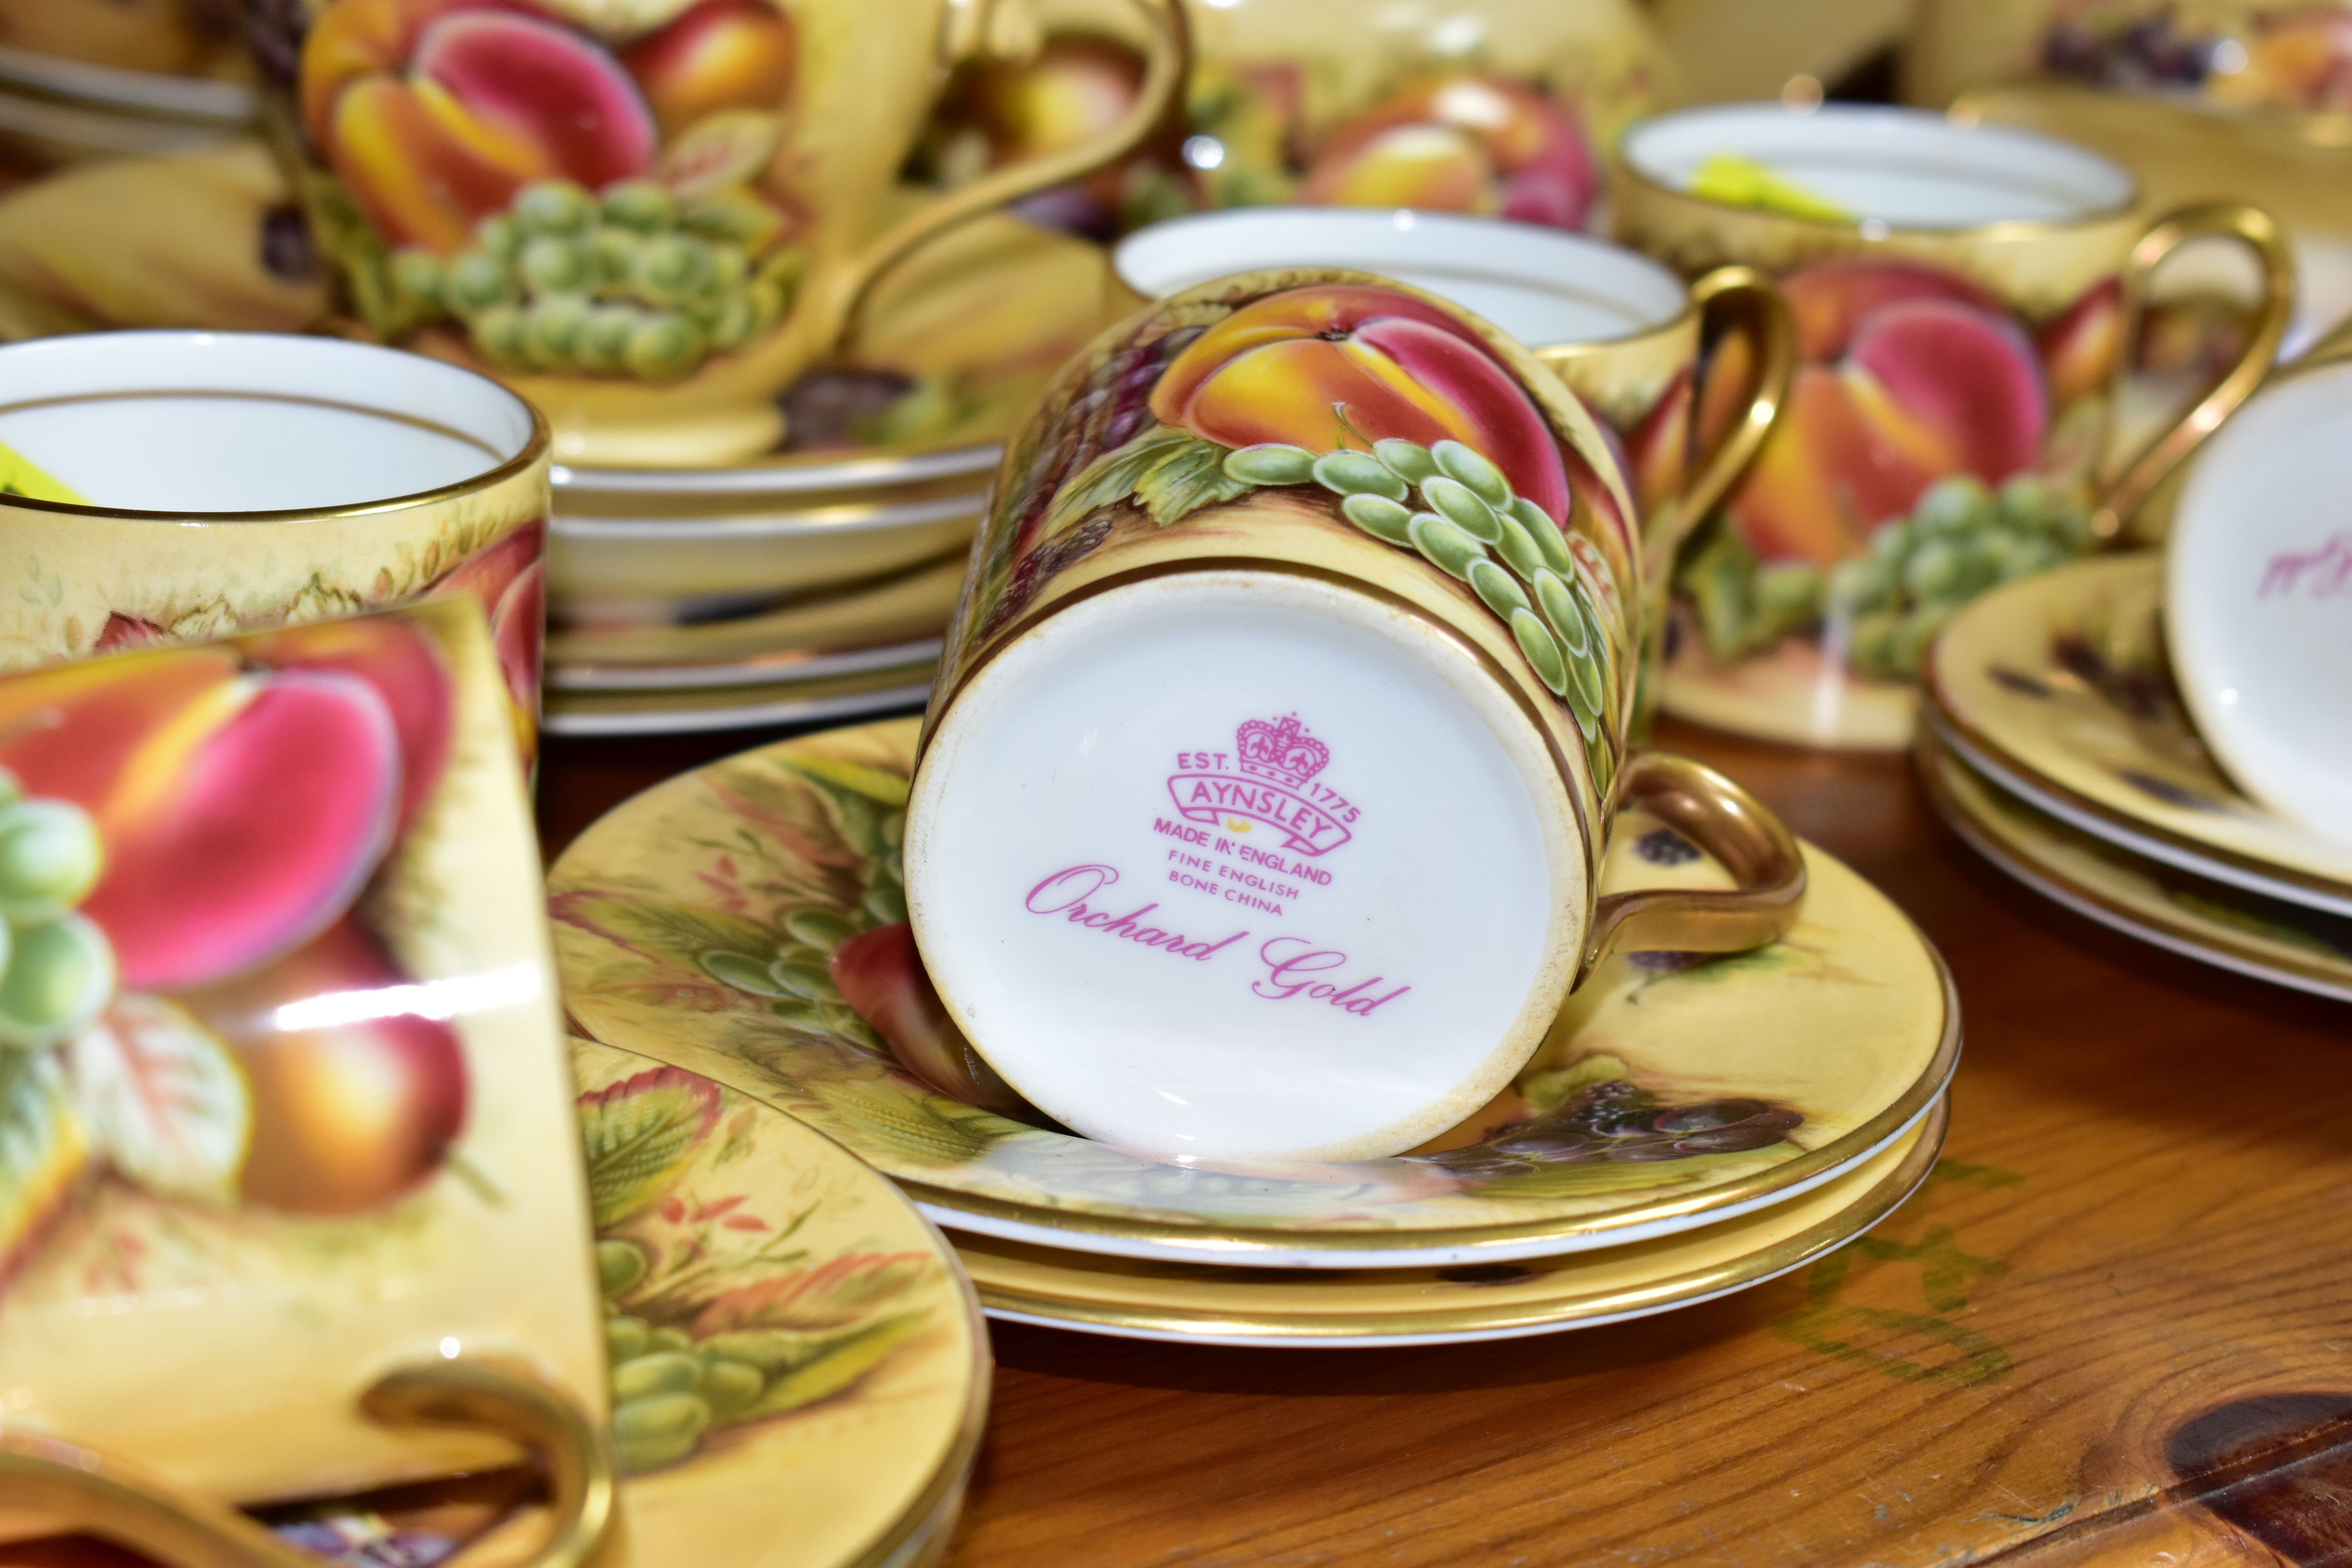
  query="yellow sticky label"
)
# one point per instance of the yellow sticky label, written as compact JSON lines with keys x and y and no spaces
{"x":1743,"y":182}
{"x":20,"y":476}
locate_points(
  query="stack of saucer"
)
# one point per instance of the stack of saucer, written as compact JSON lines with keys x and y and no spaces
{"x":58,"y":111}
{"x":2056,"y":743}
{"x":1689,"y":1129}
{"x":782,"y":591}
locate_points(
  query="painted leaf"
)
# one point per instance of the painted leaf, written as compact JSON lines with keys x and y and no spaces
{"x":164,"y":1100}
{"x":879,"y":784}
{"x":1187,"y":480}
{"x":830,"y":1296}
{"x":679,"y":933}
{"x":43,"y":1147}
{"x":1115,"y":476}
{"x":931,"y":1131}
{"x":837,"y":1369}
{"x":1601,"y":1176}
{"x":639,"y":1134}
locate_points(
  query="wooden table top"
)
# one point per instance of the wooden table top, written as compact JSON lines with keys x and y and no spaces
{"x":2114,"y":1327}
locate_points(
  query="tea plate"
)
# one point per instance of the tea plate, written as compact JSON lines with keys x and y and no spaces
{"x":2056,"y":688}
{"x":788,"y":666}
{"x":1204,"y":1304}
{"x":914,"y":603}
{"x":1673,"y":1093}
{"x":2269,"y":938}
{"x":843,"y":1366}
{"x":893,"y":689}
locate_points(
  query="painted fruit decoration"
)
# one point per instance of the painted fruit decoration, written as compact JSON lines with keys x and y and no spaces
{"x":193,"y":1000}
{"x":716,"y":1316}
{"x":2283,"y":54}
{"x":1935,"y":445}
{"x":542,"y":186}
{"x":1451,"y":140}
{"x":1388,"y":413}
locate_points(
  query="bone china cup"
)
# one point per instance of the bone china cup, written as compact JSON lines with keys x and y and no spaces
{"x":1282,"y":724}
{"x":1620,"y":330}
{"x":1964,"y":296}
{"x":650,"y":217}
{"x":171,"y":487}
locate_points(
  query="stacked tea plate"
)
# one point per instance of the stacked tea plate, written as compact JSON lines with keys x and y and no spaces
{"x":1690,"y":1127}
{"x":779,"y":593}
{"x":2151,"y":740}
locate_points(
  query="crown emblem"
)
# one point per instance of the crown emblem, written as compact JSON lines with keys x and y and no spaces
{"x":1284,"y":749}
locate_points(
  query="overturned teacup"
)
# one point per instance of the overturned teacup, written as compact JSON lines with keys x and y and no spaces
{"x":1281,"y":727}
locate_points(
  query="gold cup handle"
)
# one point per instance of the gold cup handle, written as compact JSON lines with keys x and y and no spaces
{"x":1168,"y":63}
{"x":73,"y":1489}
{"x":1730,"y":824}
{"x":2124,"y":486}
{"x":1773,"y":328}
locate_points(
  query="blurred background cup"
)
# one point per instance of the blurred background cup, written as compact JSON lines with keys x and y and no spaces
{"x":1966,"y":300}
{"x":1624,"y":332}
{"x":1306,"y":598}
{"x":650,"y":220}
{"x":174,"y":487}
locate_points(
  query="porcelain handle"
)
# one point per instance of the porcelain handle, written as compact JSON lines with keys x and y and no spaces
{"x":1168,"y":63}
{"x":2125,"y":487}
{"x":75,"y":1491}
{"x":1772,"y":327}
{"x":1730,"y":824}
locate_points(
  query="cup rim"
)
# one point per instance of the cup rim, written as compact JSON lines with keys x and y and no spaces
{"x":1863,"y":114}
{"x":1468,"y":226}
{"x":534,"y":450}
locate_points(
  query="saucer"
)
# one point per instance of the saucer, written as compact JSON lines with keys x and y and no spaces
{"x":891,"y":688}
{"x":1203,"y":1304}
{"x":801,"y":1374}
{"x":1776,"y":1070}
{"x":907,"y":606}
{"x":2056,"y":688}
{"x":2269,"y":938}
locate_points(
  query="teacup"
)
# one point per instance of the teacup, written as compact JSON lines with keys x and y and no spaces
{"x":1622,"y":332}
{"x":649,"y":218}
{"x":2258,"y":569}
{"x":1282,"y":725}
{"x":173,"y":487}
{"x":289,"y":1141}
{"x":1964,"y":296}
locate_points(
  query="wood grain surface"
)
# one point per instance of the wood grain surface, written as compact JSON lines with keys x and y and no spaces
{"x":2114,"y":1328}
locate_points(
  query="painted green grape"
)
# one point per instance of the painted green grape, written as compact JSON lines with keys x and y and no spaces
{"x":626,"y":1339}
{"x":729,"y":1386}
{"x":1892,"y":544}
{"x":672,"y":1340}
{"x":1380,"y":517}
{"x":744,"y":972}
{"x":1443,"y":545}
{"x":1546,"y":533}
{"x":1518,"y":547}
{"x":619,"y":1264}
{"x":552,"y":329}
{"x":418,"y":276}
{"x":2027,"y":504}
{"x":821,"y":929}
{"x":1461,"y":505}
{"x":50,"y":858}
{"x":603,"y":343}
{"x":657,"y":1372}
{"x":886,"y":903}
{"x":479,"y":280}
{"x":663,"y":346}
{"x":671,"y":268}
{"x":1954,"y":506}
{"x":1501,"y":592}
{"x":1560,"y":609}
{"x":730,"y":325}
{"x":1862,"y":583}
{"x":554,"y":206}
{"x":1357,"y":474}
{"x":556,"y":264}
{"x":497,"y":238}
{"x":645,"y":206}
{"x":1270,"y":463}
{"x":659,"y":1429}
{"x":1469,"y":467}
{"x":60,"y":974}
{"x":1407,"y":461}
{"x":799,"y":977}
{"x":1542,"y":652}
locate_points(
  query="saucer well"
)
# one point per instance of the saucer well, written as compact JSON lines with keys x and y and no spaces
{"x":2056,"y":688}
{"x":800,"y":1371}
{"x":692,"y":924}
{"x":2270,"y":939}
{"x":1325,"y":1309}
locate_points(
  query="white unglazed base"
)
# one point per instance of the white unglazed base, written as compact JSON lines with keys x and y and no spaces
{"x":1171,"y":947}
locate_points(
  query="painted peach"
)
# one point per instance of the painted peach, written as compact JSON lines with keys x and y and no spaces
{"x":718,"y":55}
{"x":1909,"y":375}
{"x":360,"y":1098}
{"x":243,"y":825}
{"x":408,"y":672}
{"x":1343,"y":366}
{"x":67,"y":733}
{"x":1463,"y":143}
{"x":2081,"y":348}
{"x":436,"y":112}
{"x":508,"y":578}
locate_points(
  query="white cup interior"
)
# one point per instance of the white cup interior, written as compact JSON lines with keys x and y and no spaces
{"x":1103,"y":885}
{"x":198,"y":423}
{"x":1546,"y":287}
{"x":1905,"y":168}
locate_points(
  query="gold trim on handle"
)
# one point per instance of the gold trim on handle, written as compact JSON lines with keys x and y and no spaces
{"x":1774,"y":328}
{"x":1168,"y":65}
{"x":1730,"y":825}
{"x":74,"y":1490}
{"x":2123,"y":487}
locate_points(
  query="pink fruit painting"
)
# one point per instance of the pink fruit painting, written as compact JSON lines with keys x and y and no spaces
{"x":1465,"y":143}
{"x":1908,"y":374}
